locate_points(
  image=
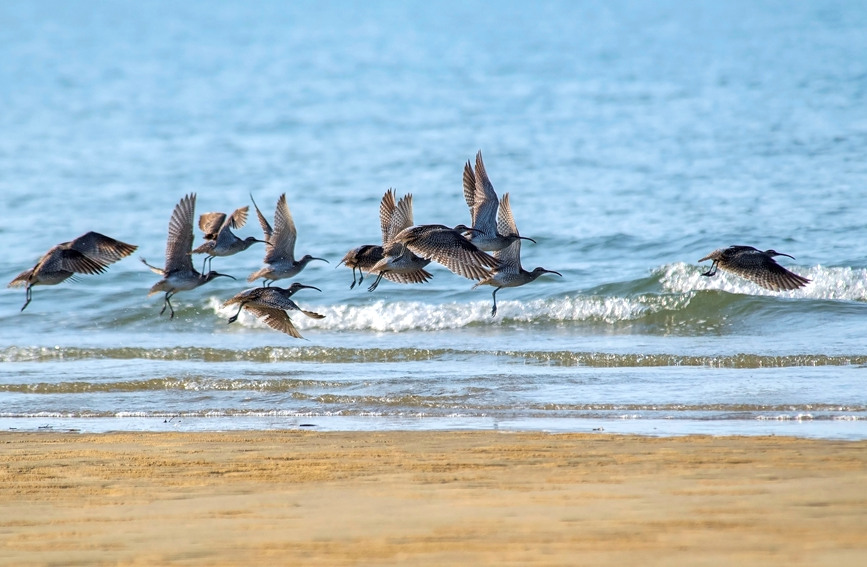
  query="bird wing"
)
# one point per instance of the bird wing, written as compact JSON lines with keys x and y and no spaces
{"x":470,"y":189}
{"x":763,"y":270}
{"x":386,"y":212}
{"x":415,"y":277}
{"x":71,"y":260}
{"x":277,"y":319}
{"x":449,"y":248}
{"x":239,"y":217}
{"x":211,"y":223}
{"x":485,"y":200}
{"x":282,"y":240}
{"x":510,"y":256}
{"x":263,"y":222}
{"x":401,"y":218}
{"x":180,"y":240}
{"x":101,"y":248}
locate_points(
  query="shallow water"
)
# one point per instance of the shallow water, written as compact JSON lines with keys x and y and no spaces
{"x":634,"y":138}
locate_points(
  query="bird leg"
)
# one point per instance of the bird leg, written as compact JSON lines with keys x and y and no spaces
{"x":494,"y":295}
{"x":711,"y":271}
{"x":28,"y":296}
{"x":376,"y":283}
{"x":353,"y":279}
{"x":234,"y":317}
{"x":168,"y":304}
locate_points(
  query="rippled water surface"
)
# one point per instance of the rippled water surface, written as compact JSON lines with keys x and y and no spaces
{"x":633,"y":138}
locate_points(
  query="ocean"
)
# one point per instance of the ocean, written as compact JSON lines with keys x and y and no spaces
{"x":633,"y":138}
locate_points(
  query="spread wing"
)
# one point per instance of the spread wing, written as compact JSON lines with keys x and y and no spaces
{"x":180,"y":239}
{"x":282,"y":240}
{"x":101,"y":248}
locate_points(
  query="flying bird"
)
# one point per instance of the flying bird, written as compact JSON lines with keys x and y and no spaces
{"x":755,"y":265}
{"x":271,"y":305}
{"x":397,"y":263}
{"x":509,"y":273}
{"x":219,"y":238}
{"x":488,"y":234}
{"x":280,"y":259}
{"x":90,"y":253}
{"x":179,"y":273}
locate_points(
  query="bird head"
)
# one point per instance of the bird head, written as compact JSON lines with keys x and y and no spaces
{"x":775,"y":253}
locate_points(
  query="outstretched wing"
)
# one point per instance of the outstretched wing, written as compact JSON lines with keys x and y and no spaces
{"x":180,"y":240}
{"x":282,"y":240}
{"x":102,"y":249}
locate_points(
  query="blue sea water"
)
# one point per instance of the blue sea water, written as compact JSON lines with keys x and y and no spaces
{"x":633,"y":138}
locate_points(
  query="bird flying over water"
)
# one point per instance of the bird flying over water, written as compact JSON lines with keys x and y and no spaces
{"x":509,"y":273}
{"x":271,"y":305}
{"x":488,"y":233}
{"x":179,"y":273}
{"x":219,"y":238}
{"x":755,"y":265}
{"x":280,"y":259}
{"x":396,"y":262}
{"x":90,"y":253}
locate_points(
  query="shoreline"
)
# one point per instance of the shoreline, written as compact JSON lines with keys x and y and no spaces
{"x":430,"y":498}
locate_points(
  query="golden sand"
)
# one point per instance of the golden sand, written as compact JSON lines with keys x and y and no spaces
{"x":430,"y":498}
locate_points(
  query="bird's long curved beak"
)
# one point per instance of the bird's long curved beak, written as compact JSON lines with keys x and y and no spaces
{"x":528,"y":238}
{"x":786,"y":255}
{"x":308,"y":287}
{"x":553,"y":272}
{"x":226,"y":275}
{"x":323,"y":259}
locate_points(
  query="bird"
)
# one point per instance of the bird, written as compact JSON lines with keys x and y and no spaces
{"x":755,"y":265}
{"x":179,"y":274}
{"x":395,"y":262}
{"x":272,"y":303}
{"x":509,"y":273}
{"x":482,"y":200}
{"x":219,"y":238}
{"x":90,"y":253}
{"x":361,"y":258}
{"x":280,"y":259}
{"x":444,"y":245}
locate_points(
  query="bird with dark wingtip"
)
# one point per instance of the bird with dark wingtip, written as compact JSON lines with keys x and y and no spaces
{"x":280,"y":240}
{"x":487,"y":233}
{"x":179,"y":273}
{"x":90,"y":253}
{"x":219,"y":238}
{"x":272,"y":305}
{"x":509,"y":273}
{"x":756,"y":266}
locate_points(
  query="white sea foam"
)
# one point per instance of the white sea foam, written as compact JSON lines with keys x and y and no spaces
{"x":385,"y":316}
{"x":826,"y":282}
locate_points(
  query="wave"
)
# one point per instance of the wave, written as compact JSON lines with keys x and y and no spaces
{"x":339,"y":355}
{"x":671,"y":290}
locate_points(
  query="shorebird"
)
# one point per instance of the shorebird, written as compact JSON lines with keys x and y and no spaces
{"x":272,"y":304}
{"x":444,"y":245}
{"x":482,"y":200}
{"x":279,"y":246}
{"x":179,"y":274}
{"x":362,"y":258}
{"x":90,"y":253}
{"x":399,"y":268}
{"x":219,"y":238}
{"x":509,"y":273}
{"x":757,"y":266}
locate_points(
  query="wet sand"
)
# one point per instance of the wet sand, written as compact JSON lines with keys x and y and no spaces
{"x":430,"y":498}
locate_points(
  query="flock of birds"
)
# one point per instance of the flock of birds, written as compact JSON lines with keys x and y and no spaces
{"x":488,"y":251}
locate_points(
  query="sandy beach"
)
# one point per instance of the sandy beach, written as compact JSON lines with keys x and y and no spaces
{"x":430,"y":498}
